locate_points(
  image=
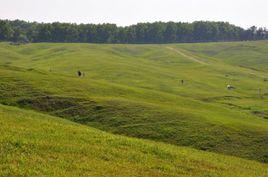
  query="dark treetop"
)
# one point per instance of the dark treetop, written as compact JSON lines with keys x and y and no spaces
{"x":158,"y":32}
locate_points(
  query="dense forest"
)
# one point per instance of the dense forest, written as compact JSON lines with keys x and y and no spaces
{"x":158,"y":32}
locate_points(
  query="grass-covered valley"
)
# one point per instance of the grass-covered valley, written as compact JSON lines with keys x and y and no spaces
{"x":134,"y":91}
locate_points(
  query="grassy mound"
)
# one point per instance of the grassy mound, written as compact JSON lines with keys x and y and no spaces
{"x":34,"y":144}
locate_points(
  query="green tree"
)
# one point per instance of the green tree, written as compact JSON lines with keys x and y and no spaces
{"x":6,"y":31}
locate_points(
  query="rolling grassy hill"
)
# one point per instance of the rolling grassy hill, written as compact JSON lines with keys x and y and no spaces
{"x":34,"y":144}
{"x":251,"y":55}
{"x":135,"y":90}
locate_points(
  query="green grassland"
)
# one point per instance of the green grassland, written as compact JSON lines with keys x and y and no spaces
{"x":135,"y":90}
{"x":34,"y":144}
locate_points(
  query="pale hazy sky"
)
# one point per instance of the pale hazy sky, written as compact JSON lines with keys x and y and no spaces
{"x":244,"y":13}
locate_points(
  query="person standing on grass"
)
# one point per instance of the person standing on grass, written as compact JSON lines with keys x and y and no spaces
{"x":79,"y":73}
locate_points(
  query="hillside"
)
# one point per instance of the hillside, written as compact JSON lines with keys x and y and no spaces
{"x":136,"y":90}
{"x":248,"y":55}
{"x":33,"y":144}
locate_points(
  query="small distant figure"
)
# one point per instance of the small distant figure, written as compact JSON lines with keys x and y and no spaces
{"x":260,"y":93}
{"x":182,"y":82}
{"x":230,"y":87}
{"x":79,"y":73}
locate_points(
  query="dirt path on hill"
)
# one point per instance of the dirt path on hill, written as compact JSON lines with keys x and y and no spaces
{"x":190,"y":57}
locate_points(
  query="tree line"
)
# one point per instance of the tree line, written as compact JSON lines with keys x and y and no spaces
{"x":141,"y":33}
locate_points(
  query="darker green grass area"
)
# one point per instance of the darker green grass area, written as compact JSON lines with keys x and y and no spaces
{"x":135,"y":90}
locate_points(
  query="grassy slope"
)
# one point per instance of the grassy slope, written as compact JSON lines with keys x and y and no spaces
{"x":250,"y":55}
{"x":134,"y":90}
{"x":33,"y":144}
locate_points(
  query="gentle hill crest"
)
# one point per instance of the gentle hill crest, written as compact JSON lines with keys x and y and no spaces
{"x":36,"y":144}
